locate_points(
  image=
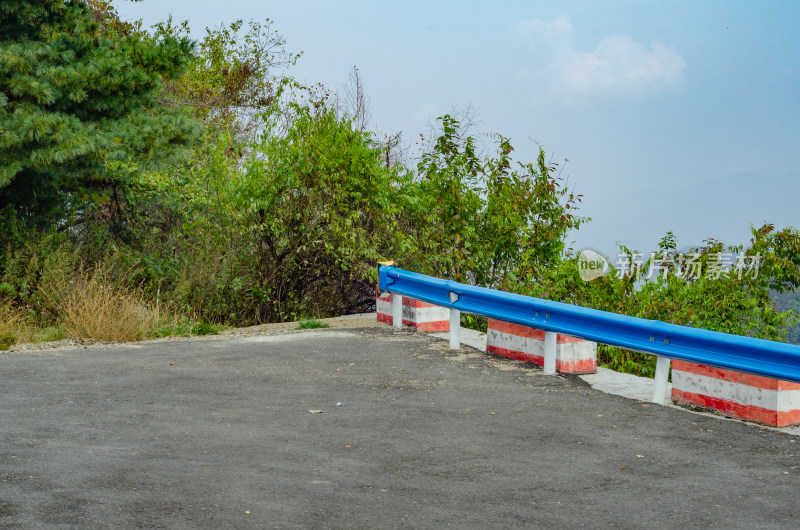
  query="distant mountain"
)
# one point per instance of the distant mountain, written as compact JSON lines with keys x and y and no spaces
{"x":789,"y":301}
{"x":722,"y":208}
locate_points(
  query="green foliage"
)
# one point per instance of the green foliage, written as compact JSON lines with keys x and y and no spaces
{"x":311,"y":323}
{"x":474,"y":322}
{"x":283,"y":204}
{"x":480,"y":221}
{"x":315,"y":207}
{"x":185,"y":327}
{"x":105,"y":14}
{"x":7,"y":290}
{"x":789,"y":301}
{"x":284,"y":208}
{"x":204,"y":328}
{"x":73,"y":98}
{"x":7,"y":339}
{"x":233,"y":78}
{"x":726,"y":300}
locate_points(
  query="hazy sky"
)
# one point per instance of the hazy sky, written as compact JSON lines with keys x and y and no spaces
{"x":674,"y":115}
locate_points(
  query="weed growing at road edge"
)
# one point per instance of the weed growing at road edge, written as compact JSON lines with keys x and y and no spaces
{"x":311,"y":323}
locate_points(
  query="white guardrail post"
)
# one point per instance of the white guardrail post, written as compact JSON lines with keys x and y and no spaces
{"x":397,"y":311}
{"x":455,"y":324}
{"x":662,"y":374}
{"x":455,"y":329}
{"x":550,"y":342}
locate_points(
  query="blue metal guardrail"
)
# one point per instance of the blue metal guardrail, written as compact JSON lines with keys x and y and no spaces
{"x":745,"y":354}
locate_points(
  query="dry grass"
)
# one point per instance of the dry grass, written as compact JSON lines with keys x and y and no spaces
{"x":93,"y":306}
{"x":13,"y":327}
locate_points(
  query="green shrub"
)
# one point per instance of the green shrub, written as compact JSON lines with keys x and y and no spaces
{"x":311,"y":323}
{"x":7,"y":290}
{"x":204,"y":328}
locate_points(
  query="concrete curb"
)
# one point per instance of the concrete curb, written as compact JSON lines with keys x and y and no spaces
{"x":522,"y":343}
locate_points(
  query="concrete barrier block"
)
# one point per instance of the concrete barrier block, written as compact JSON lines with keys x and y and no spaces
{"x":751,"y":397}
{"x":573,"y":355}
{"x":422,"y":316}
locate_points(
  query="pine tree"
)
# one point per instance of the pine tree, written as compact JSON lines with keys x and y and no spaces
{"x":74,"y":98}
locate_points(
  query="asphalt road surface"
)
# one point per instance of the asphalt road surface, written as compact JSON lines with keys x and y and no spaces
{"x":226,"y":433}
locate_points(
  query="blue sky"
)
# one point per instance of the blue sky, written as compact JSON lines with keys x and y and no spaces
{"x":676,"y":115}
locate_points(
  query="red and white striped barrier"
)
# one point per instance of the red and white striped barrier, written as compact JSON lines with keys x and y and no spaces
{"x":751,"y":397}
{"x":422,"y":316}
{"x":573,"y":356}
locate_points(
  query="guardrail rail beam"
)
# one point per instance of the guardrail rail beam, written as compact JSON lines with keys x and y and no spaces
{"x":761,"y":357}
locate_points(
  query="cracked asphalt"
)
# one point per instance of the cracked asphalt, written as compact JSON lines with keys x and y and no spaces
{"x":214,"y":433}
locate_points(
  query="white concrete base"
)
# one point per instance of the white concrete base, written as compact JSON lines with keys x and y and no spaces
{"x":625,"y":385}
{"x":420,"y":315}
{"x":553,"y":351}
{"x":751,"y":397}
{"x":469,"y":337}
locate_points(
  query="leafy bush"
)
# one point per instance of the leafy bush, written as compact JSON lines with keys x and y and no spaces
{"x":734,"y":303}
{"x":7,"y":290}
{"x":481,"y":221}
